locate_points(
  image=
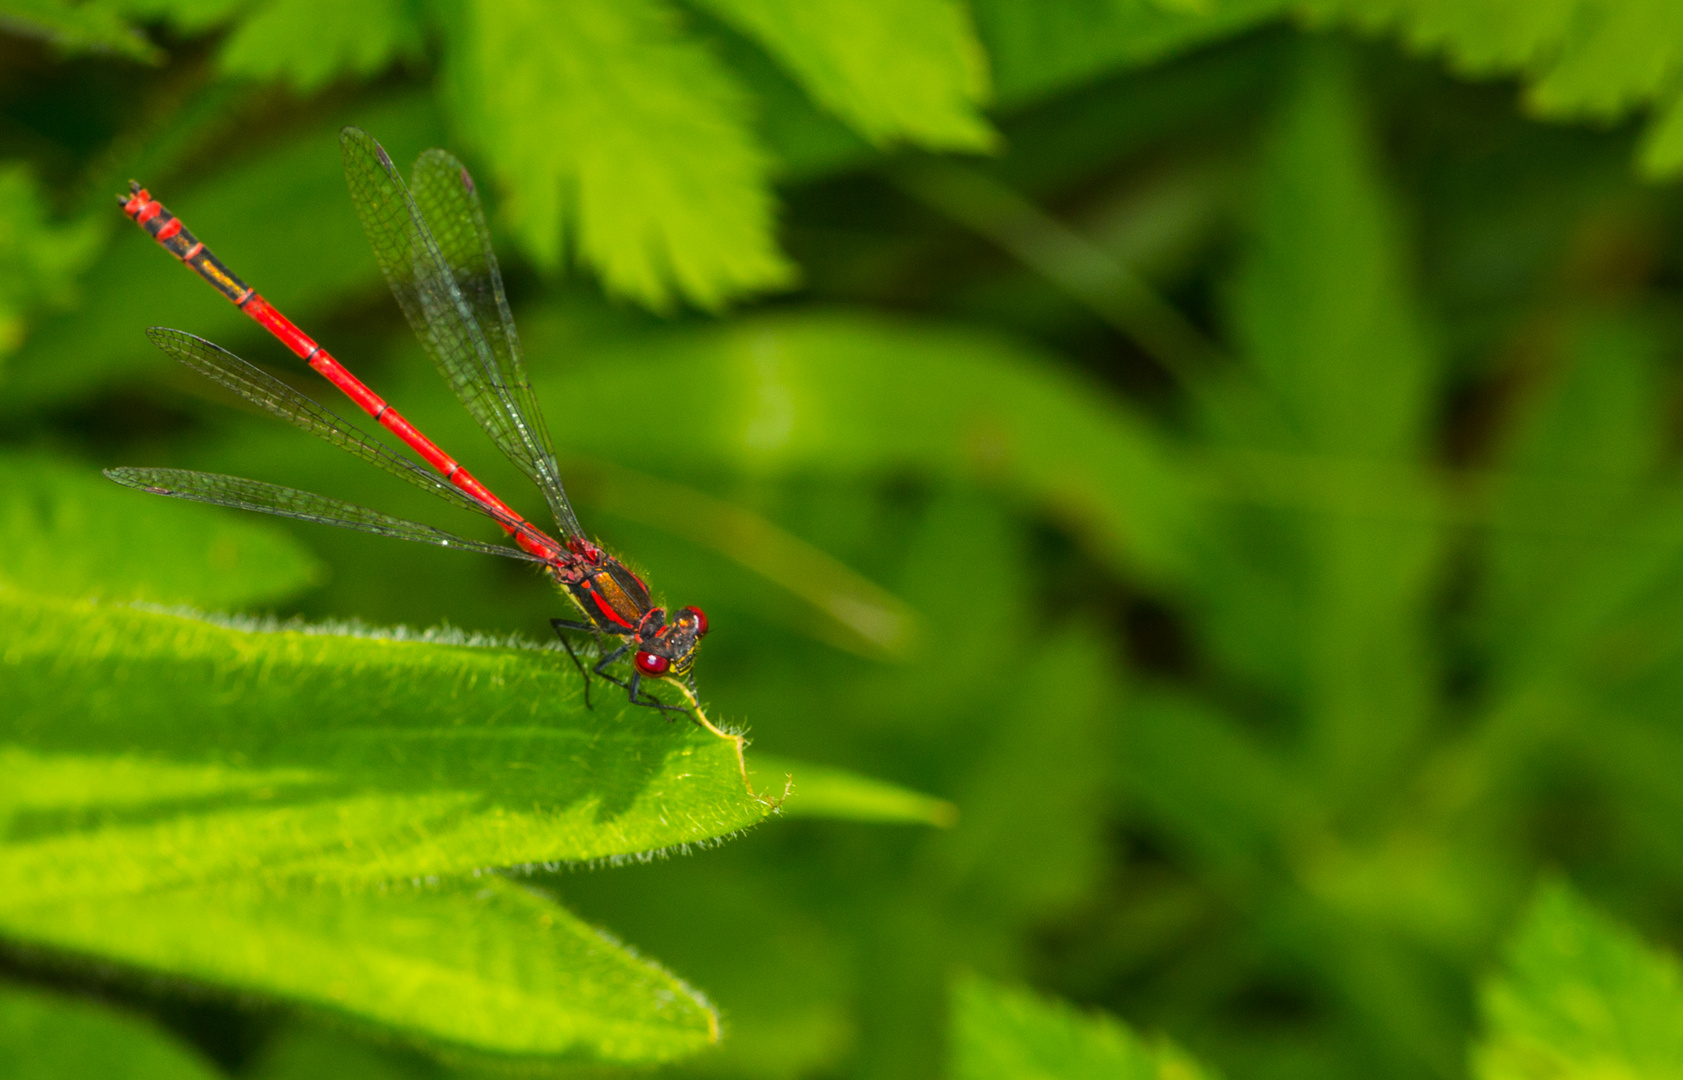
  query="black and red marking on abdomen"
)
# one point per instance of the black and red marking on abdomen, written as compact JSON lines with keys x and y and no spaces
{"x":168,"y":231}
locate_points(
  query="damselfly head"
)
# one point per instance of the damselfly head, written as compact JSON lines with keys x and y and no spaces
{"x":668,"y":648}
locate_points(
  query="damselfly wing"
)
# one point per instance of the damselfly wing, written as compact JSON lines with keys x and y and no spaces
{"x":432,"y":244}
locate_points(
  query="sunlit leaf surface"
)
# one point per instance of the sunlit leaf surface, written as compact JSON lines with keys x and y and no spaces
{"x":272,"y":810}
{"x":613,"y":132}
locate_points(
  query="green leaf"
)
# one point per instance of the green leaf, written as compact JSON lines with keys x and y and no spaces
{"x":1326,"y":318}
{"x":1479,"y":37}
{"x":1614,"y":55}
{"x":1032,"y":841}
{"x":1573,"y":483}
{"x":607,"y":125}
{"x":998,"y":1033}
{"x":849,"y":393}
{"x":1661,"y":153}
{"x":282,"y":221}
{"x":486,"y":965}
{"x":1323,"y":306}
{"x":77,"y":27}
{"x":894,"y":70}
{"x":1208,"y":782}
{"x":238,"y":806}
{"x":45,"y":1036}
{"x":308,"y":1052}
{"x":39,"y":262}
{"x":1580,"y":59}
{"x":1579,"y":995}
{"x":310,"y":42}
{"x":187,"y":16}
{"x":821,"y":792}
{"x":775,"y":952}
{"x":1041,"y":49}
{"x":65,"y":530}
{"x":333,"y":755}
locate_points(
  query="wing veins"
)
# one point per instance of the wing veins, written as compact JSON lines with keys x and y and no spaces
{"x":278,"y":399}
{"x":426,"y":287}
{"x":266,"y":498}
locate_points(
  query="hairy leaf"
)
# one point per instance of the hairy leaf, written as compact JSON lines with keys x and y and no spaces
{"x":607,"y":125}
{"x":1580,"y":995}
{"x":273,"y":810}
{"x":287,"y":753}
{"x":998,"y":1033}
{"x":483,"y":965}
{"x":894,"y":70}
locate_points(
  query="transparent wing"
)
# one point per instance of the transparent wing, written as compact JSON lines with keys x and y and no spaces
{"x":265,"y":498}
{"x":479,"y":358}
{"x":270,"y":394}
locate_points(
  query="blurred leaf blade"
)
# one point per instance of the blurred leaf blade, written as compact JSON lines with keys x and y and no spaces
{"x":47,"y":1036}
{"x":1040,"y":49}
{"x":39,"y":261}
{"x":67,"y":531}
{"x":823,"y":792}
{"x":310,"y":42}
{"x":78,"y":27}
{"x":999,"y":1033}
{"x":1584,"y":447}
{"x":860,"y":615}
{"x":1596,"y":59}
{"x":850,"y":392}
{"x":281,"y":220}
{"x":894,"y":71}
{"x":1325,"y":314}
{"x":1579,"y":995}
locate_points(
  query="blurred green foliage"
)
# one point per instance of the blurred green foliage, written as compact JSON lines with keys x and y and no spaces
{"x":1579,"y":995}
{"x":1196,"y":480}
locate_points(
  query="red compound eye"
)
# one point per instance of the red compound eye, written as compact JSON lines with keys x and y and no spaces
{"x":650,"y":664}
{"x":700,"y":621}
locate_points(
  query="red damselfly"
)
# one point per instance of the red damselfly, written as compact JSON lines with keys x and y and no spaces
{"x":431,"y":241}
